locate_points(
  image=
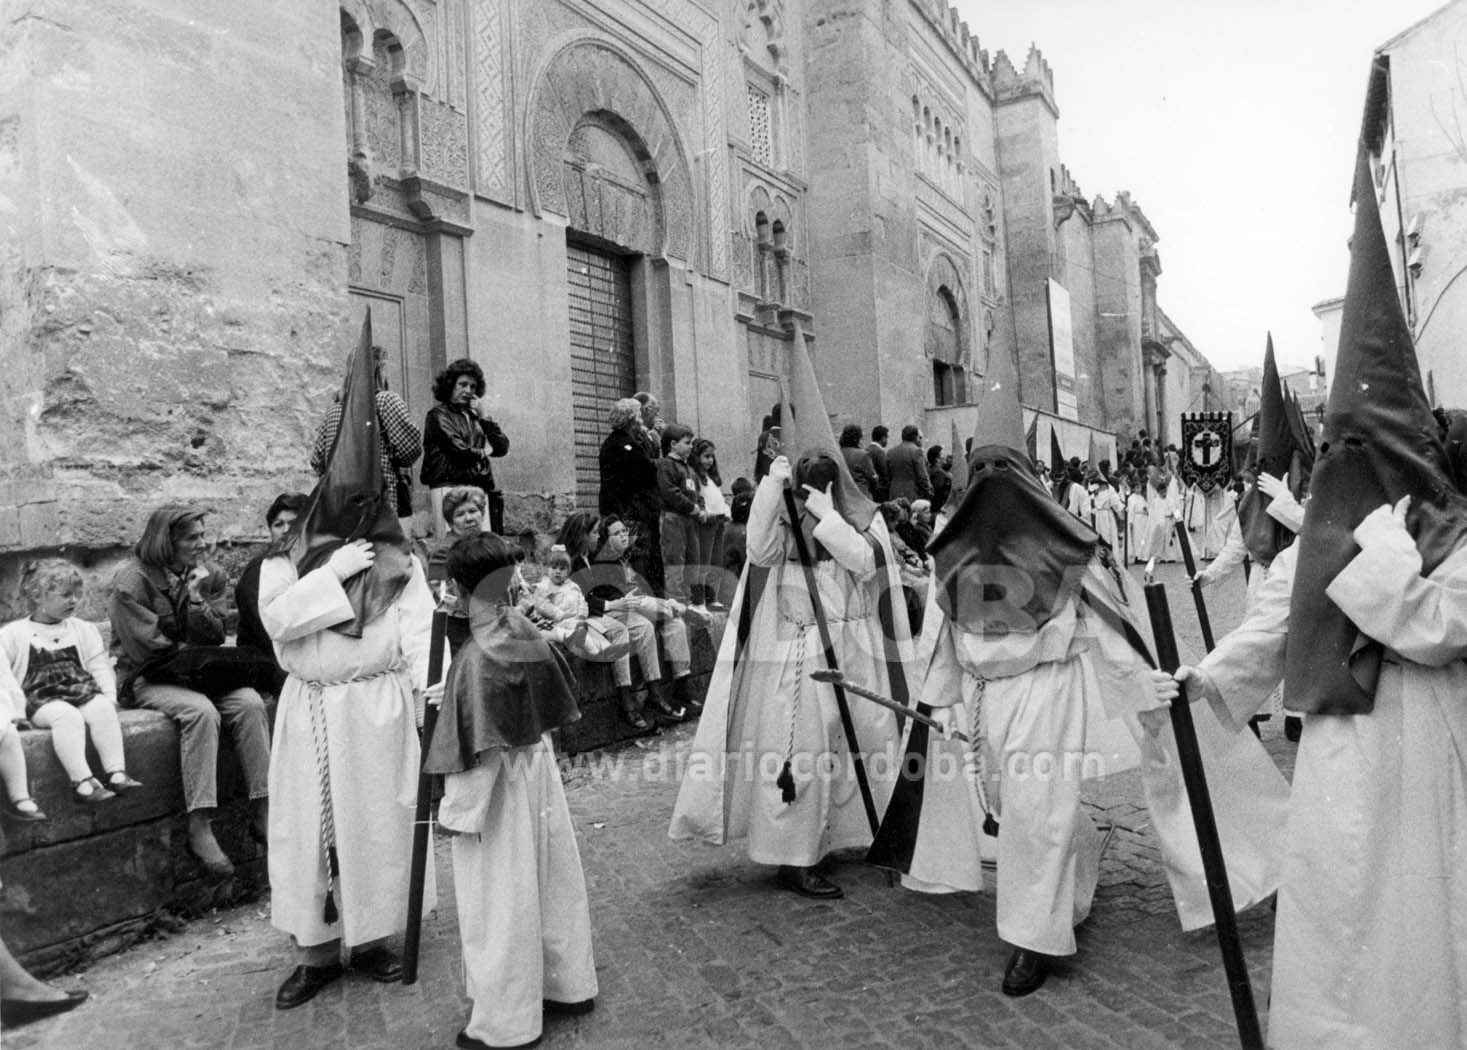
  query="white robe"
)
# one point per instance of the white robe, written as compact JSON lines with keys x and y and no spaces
{"x":1072,"y":692}
{"x":1137,"y":528}
{"x":765,"y":709}
{"x":1163,"y":511}
{"x":1106,"y":506}
{"x":1370,"y":945}
{"x":372,"y":740}
{"x":523,"y":916}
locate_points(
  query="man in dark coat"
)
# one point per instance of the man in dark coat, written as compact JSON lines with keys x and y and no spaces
{"x":877,"y":451}
{"x":858,"y":459}
{"x":907,"y":467}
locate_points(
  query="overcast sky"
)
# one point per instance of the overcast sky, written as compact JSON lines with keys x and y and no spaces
{"x":1234,"y":128}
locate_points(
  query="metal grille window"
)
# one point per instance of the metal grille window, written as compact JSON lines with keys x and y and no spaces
{"x":760,"y":140}
{"x":603,"y":365}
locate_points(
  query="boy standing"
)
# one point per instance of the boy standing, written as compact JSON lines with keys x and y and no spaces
{"x":523,"y":916}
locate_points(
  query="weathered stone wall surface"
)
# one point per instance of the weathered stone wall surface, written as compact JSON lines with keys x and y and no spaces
{"x":1118,"y":321}
{"x":173,"y":221}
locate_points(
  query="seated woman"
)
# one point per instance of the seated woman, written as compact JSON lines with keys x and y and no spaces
{"x":165,"y":601}
{"x":613,"y":589}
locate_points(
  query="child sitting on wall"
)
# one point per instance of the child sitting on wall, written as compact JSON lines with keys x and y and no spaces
{"x":558,"y":607}
{"x":524,"y":920}
{"x":65,"y":680}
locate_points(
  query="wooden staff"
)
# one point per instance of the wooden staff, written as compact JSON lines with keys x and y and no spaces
{"x":1225,"y":921}
{"x":837,"y":678}
{"x":1203,"y":620}
{"x":841,"y":703}
{"x":421,"y":825}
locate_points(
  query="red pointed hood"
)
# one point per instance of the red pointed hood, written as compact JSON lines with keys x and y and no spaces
{"x":352,"y":501}
{"x":1380,"y":443}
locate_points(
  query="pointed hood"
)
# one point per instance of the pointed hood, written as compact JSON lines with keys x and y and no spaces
{"x":1058,"y":468}
{"x":806,"y":432}
{"x":1008,"y":535}
{"x":1095,"y":455}
{"x":1380,"y":443}
{"x":959,"y":473}
{"x":1031,"y":438}
{"x":1303,"y":437}
{"x":353,"y":502}
{"x":1273,"y":453}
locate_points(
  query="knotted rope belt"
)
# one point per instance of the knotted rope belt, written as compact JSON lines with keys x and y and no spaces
{"x":315,"y":704}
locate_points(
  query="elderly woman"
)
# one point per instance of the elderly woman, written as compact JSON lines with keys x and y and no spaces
{"x":165,"y":601}
{"x":612,"y":589}
{"x":464,"y":508}
{"x":629,"y":490}
{"x":459,"y":439}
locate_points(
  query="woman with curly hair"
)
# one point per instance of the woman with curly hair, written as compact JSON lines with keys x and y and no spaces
{"x":459,"y":439}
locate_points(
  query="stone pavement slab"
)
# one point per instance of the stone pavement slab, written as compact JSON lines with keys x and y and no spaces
{"x":695,"y":948}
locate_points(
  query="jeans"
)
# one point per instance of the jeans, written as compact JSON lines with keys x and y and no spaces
{"x":198,"y":720}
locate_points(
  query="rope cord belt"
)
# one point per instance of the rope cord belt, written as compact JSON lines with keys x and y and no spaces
{"x":315,"y":705}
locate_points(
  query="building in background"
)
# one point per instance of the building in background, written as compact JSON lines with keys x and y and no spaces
{"x":590,"y":197}
{"x":1415,"y":128}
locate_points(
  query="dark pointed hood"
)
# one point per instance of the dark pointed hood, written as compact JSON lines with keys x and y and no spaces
{"x":1380,"y":443}
{"x":959,"y":473}
{"x":352,"y":501}
{"x":1273,"y":451}
{"x":1008,"y":537}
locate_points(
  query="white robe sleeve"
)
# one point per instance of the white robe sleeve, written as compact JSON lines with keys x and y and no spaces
{"x":1249,"y":662}
{"x":848,"y":547}
{"x":1234,"y":550}
{"x":293,"y":607}
{"x":1384,"y":594}
{"x":465,"y":803}
{"x":1287,"y":511}
{"x":415,"y":624}
{"x":763,"y":538}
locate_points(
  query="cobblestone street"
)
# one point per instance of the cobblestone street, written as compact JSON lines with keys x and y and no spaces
{"x":695,"y":948}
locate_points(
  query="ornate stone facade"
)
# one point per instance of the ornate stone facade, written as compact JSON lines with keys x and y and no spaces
{"x":176,"y":311}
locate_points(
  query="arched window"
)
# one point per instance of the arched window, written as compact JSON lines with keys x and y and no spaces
{"x":944,"y":345}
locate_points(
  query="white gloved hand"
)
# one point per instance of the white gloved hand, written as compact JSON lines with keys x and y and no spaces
{"x":1164,"y":690}
{"x":1272,"y":487}
{"x":1385,"y":528}
{"x":947,"y":721}
{"x":1197,"y":683}
{"x":351,"y":558}
{"x":780,"y":469}
{"x":819,"y":503}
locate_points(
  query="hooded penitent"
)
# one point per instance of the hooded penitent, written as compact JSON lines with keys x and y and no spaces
{"x":1380,"y":443}
{"x":1007,"y":524}
{"x":352,"y":502}
{"x":1059,"y":474}
{"x":1274,"y":453}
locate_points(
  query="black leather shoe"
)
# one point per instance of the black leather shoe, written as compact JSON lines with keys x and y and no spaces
{"x":1025,"y":973}
{"x":379,"y":963}
{"x":468,"y":1042}
{"x":807,"y":883}
{"x":303,"y":984}
{"x":583,"y":1006}
{"x":23,"y":1011}
{"x":1293,"y":728}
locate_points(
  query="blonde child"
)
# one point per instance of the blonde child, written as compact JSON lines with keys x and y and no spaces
{"x":66,"y":682}
{"x":558,"y":607}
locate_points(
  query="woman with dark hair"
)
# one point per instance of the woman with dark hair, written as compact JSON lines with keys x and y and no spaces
{"x":578,"y":536}
{"x":166,"y":600}
{"x":629,"y":489}
{"x":459,"y":439}
{"x":710,"y":531}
